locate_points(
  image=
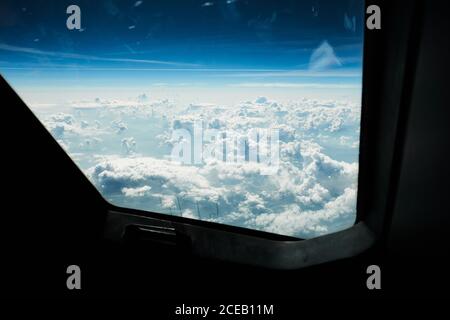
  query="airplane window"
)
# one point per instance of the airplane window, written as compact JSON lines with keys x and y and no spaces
{"x":240,"y":112}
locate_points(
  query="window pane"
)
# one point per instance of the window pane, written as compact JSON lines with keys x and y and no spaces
{"x":241,"y":112}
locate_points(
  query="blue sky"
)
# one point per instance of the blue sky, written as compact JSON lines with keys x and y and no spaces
{"x":178,"y":42}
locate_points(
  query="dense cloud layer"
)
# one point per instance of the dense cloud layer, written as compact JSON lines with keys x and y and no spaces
{"x":124,"y":148}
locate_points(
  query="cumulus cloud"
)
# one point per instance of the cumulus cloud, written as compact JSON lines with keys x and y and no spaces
{"x":136,"y":192}
{"x":129,"y":145}
{"x":261,"y":100}
{"x":61,"y":124}
{"x":312,"y":191}
{"x":305,"y":201}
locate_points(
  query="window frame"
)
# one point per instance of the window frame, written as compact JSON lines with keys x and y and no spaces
{"x":389,"y":56}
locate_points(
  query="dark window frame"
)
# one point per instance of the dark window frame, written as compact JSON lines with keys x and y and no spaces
{"x":388,"y":70}
{"x":390,"y":56}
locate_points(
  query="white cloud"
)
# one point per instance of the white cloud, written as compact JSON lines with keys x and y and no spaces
{"x":136,"y":192}
{"x":303,"y":202}
{"x":335,"y":216}
{"x":129,"y":145}
{"x":11,"y":48}
{"x":311,"y":193}
{"x":60,"y":124}
{"x":261,"y":100}
{"x":324,"y":57}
